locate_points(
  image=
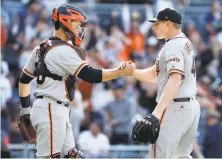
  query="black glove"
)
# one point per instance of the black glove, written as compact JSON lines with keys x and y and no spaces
{"x":146,"y":132}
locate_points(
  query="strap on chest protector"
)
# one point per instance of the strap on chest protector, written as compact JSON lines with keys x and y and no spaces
{"x":41,"y":68}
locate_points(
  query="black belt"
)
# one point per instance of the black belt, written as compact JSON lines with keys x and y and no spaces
{"x":59,"y":102}
{"x":183,"y":99}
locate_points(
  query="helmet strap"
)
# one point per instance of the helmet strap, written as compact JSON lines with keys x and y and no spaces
{"x":71,"y":36}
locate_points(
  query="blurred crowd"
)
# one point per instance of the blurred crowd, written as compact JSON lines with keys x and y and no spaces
{"x":103,"y":114}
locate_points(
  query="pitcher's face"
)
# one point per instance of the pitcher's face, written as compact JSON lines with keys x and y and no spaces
{"x":160,"y":29}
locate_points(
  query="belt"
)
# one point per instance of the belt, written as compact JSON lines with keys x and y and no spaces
{"x":183,"y":99}
{"x":66,"y":104}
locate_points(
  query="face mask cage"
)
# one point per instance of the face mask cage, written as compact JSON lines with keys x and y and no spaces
{"x":80,"y":29}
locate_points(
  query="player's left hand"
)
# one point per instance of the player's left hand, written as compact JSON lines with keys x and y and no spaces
{"x":146,"y":130}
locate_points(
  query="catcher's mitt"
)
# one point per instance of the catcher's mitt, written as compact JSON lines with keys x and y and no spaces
{"x":146,"y":132}
{"x":27,"y":131}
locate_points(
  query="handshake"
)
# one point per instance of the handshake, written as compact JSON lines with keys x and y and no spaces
{"x":127,"y":68}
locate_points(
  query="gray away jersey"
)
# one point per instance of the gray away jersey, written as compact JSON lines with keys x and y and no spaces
{"x":61,"y":60}
{"x":177,"y":56}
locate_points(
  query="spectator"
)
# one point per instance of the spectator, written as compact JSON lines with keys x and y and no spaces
{"x":23,"y":58}
{"x":115,"y":19}
{"x":29,"y":15}
{"x":5,"y":153}
{"x":213,"y":139}
{"x":13,"y":82}
{"x":147,"y":98}
{"x":93,"y":142}
{"x":14,"y":133}
{"x":209,"y":59}
{"x":213,"y":19}
{"x":4,"y":66}
{"x":181,"y":5}
{"x":42,"y":29}
{"x":6,"y":90}
{"x":161,"y":4}
{"x":119,"y":114}
{"x":5,"y":123}
{"x":150,"y":52}
{"x":10,"y":53}
{"x":94,"y":33}
{"x":137,"y":45}
{"x":3,"y":33}
{"x":5,"y":15}
{"x":111,"y":46}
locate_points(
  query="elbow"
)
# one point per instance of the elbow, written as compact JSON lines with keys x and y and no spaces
{"x":25,"y":79}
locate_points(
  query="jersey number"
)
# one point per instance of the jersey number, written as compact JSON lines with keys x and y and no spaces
{"x":193,"y":69}
{"x":40,"y":79}
{"x":188,"y":48}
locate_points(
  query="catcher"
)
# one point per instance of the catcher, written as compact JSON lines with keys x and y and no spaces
{"x":175,"y":75}
{"x":55,"y":64}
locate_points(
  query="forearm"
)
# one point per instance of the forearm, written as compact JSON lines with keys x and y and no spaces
{"x":109,"y":74}
{"x":167,"y":96}
{"x":145,"y":75}
{"x":93,"y":75}
{"x":24,"y":89}
{"x":24,"y":93}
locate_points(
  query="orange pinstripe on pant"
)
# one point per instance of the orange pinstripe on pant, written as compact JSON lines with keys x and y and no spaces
{"x":51,"y":131}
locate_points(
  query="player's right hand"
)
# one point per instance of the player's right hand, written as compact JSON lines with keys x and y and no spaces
{"x":127,"y":68}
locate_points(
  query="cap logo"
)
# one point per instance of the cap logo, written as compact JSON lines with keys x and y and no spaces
{"x":166,"y":17}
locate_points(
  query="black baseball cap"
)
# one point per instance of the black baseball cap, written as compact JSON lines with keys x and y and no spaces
{"x":168,"y":14}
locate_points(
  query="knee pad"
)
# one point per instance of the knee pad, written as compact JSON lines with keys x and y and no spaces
{"x":74,"y":153}
{"x":56,"y":155}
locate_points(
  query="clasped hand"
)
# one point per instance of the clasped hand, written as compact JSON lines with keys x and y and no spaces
{"x":127,"y":68}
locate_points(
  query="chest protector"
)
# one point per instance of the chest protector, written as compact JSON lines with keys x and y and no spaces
{"x":41,"y":70}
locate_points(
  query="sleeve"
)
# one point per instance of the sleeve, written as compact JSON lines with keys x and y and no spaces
{"x":30,"y":64}
{"x":105,"y":143}
{"x":70,"y":61}
{"x":174,"y":61}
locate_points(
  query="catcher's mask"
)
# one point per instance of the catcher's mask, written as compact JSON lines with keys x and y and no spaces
{"x":73,"y":20}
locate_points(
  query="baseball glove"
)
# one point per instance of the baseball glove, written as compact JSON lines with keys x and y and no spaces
{"x":147,"y":130}
{"x":27,"y":131}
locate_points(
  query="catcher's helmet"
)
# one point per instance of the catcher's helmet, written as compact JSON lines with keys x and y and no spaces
{"x":64,"y":15}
